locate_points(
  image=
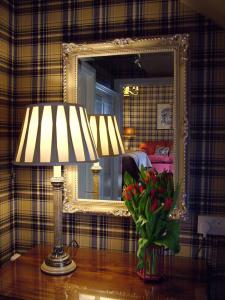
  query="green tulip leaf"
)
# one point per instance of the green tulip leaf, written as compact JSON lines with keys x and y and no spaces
{"x":171,"y":238}
{"x":128,"y":179}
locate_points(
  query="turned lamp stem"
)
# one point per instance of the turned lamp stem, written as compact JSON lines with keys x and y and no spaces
{"x":96,"y":169}
{"x":57,"y":183}
{"x":58,"y":262}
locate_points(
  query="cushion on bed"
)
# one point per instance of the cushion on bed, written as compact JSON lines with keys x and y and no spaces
{"x":150,"y":146}
{"x":161,"y":150}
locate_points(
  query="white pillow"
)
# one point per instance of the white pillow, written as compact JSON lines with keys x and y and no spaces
{"x":161,"y":150}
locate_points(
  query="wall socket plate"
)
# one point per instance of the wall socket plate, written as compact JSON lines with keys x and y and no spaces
{"x":211,"y":225}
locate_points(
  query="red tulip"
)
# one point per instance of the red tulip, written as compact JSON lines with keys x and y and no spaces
{"x":168,"y":203}
{"x":127,"y":196}
{"x":161,"y":190}
{"x":154,"y":206}
{"x":129,"y":187}
{"x":141,"y":188}
{"x":154,"y":179}
{"x":134,"y":191}
{"x":152,"y":193}
{"x":151,"y":173}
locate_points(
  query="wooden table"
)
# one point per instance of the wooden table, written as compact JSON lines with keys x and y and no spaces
{"x":100,"y":275}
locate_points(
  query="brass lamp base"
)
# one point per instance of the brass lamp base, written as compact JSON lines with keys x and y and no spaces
{"x":58,"y":263}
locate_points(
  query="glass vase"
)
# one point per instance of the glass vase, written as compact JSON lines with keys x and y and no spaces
{"x":153,"y":264}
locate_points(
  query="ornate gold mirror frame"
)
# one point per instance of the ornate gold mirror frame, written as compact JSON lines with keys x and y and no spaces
{"x":178,"y":45}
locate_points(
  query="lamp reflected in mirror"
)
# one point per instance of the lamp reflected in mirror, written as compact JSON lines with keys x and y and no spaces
{"x":108,"y":141}
{"x":129,"y":133}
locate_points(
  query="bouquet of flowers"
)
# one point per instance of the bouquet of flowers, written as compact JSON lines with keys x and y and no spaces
{"x":150,"y":202}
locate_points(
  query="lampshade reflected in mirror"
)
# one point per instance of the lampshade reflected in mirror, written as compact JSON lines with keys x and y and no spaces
{"x":129,"y":133}
{"x":108,"y":141}
{"x":106,"y":135}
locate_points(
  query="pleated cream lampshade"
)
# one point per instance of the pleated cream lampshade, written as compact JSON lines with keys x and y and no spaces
{"x":106,"y":135}
{"x":55,"y":134}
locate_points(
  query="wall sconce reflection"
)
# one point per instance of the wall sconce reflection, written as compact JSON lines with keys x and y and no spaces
{"x":130,"y":90}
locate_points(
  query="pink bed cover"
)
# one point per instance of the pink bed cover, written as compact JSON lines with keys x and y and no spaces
{"x":161,"y":163}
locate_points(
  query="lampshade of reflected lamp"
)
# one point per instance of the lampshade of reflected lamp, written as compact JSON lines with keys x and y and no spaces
{"x":129,"y":133}
{"x":56,"y":134}
{"x":108,"y":141}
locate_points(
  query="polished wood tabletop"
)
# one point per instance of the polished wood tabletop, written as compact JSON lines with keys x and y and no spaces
{"x":100,"y":275}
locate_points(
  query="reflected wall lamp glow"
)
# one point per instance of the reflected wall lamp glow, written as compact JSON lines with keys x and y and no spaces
{"x":108,"y":141}
{"x":130,"y":91}
{"x":56,"y":134}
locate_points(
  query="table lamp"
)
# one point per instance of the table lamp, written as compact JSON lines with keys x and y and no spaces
{"x":56,"y":134}
{"x":108,"y":141}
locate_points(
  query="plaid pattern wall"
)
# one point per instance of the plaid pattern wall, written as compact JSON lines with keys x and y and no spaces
{"x":42,"y":26}
{"x":140,"y":112}
{"x":6,"y":100}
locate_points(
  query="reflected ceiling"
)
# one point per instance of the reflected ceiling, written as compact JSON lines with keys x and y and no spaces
{"x":132,"y":66}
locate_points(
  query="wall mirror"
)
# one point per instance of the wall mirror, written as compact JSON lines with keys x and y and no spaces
{"x":143,"y":83}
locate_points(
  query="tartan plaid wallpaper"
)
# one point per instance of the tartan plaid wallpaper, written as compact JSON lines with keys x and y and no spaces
{"x":140,"y":112}
{"x":6,"y":100}
{"x":41,"y":28}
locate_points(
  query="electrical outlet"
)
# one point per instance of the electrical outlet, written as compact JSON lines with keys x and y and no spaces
{"x":211,"y":225}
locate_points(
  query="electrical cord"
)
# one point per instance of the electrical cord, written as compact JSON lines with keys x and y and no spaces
{"x":202,"y":244}
{"x":74,"y":244}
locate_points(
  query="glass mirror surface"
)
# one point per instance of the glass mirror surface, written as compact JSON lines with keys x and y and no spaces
{"x":139,"y":89}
